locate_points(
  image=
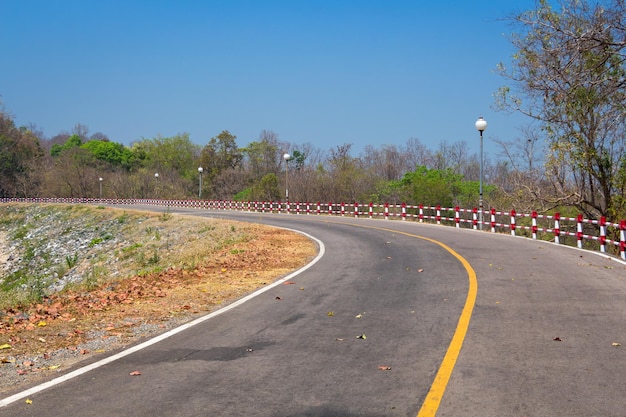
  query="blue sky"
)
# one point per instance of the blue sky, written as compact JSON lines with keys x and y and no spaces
{"x":325,"y":72}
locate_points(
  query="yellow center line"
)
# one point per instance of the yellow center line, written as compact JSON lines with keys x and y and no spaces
{"x":435,"y":394}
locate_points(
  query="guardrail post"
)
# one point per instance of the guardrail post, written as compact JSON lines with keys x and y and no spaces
{"x":474,"y":218}
{"x":371,"y":209}
{"x":622,"y":239}
{"x":438,"y":215}
{"x":579,"y":231}
{"x":534,"y":224}
{"x":513,"y":224}
{"x":603,"y":234}
{"x":403,"y":211}
{"x":493,"y":220}
{"x":557,"y":227}
{"x":386,"y":211}
{"x":343,"y":211}
{"x":421,"y":213}
{"x":457,"y":216}
{"x":356,"y":210}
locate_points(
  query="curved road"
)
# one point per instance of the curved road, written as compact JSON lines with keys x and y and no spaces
{"x":544,"y":339}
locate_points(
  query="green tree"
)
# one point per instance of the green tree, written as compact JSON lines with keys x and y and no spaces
{"x":115,"y":154}
{"x":174,"y":154}
{"x":262,"y":157}
{"x":220,"y":158}
{"x":444,"y":187}
{"x":73,"y":141}
{"x":221,"y":153}
{"x":569,"y":75}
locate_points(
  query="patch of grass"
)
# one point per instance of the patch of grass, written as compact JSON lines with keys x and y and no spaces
{"x":71,"y":260}
{"x":29,"y":252}
{"x":154,"y":231}
{"x":129,"y":251}
{"x":97,"y":240}
{"x":154,"y":259}
{"x":14,"y":280}
{"x":21,"y":232}
{"x":166,"y":215}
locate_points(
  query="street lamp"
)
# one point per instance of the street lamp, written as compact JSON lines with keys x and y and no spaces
{"x":100,"y":179}
{"x":156,"y":183}
{"x":481,"y":125}
{"x":200,"y":186}
{"x":287,"y":157}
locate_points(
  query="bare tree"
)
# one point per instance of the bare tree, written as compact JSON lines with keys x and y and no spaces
{"x":569,"y":75}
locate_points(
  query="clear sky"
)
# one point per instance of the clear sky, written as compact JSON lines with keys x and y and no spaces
{"x":325,"y":72}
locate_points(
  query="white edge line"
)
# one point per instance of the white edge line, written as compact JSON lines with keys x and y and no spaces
{"x":6,"y":401}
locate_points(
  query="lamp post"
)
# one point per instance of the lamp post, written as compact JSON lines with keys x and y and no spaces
{"x":287,"y":157}
{"x":100,"y":179}
{"x":481,"y":125}
{"x":200,"y":186}
{"x":156,"y":183}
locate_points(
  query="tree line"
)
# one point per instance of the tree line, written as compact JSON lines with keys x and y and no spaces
{"x":567,"y":75}
{"x":77,"y":164}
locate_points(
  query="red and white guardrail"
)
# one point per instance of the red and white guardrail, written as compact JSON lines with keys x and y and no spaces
{"x":577,"y":231}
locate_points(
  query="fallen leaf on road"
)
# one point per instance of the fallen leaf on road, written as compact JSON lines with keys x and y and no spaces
{"x":288,"y":282}
{"x":358,"y":316}
{"x":330,"y":313}
{"x":420,"y":270}
{"x":278,"y":298}
{"x":5,"y":346}
{"x":135,"y":373}
{"x":384,"y":368}
{"x":557,"y":339}
{"x":362,"y":336}
{"x":616,"y":344}
{"x":28,"y":401}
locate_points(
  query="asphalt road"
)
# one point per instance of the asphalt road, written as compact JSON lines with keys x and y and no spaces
{"x":391,"y":294}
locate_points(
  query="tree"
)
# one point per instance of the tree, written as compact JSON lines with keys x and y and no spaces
{"x":19,"y":152}
{"x":221,"y":153}
{"x":433,"y":186}
{"x":262,"y":157}
{"x":73,"y":141}
{"x":115,"y":154}
{"x":177,"y":154}
{"x":568,"y":74}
